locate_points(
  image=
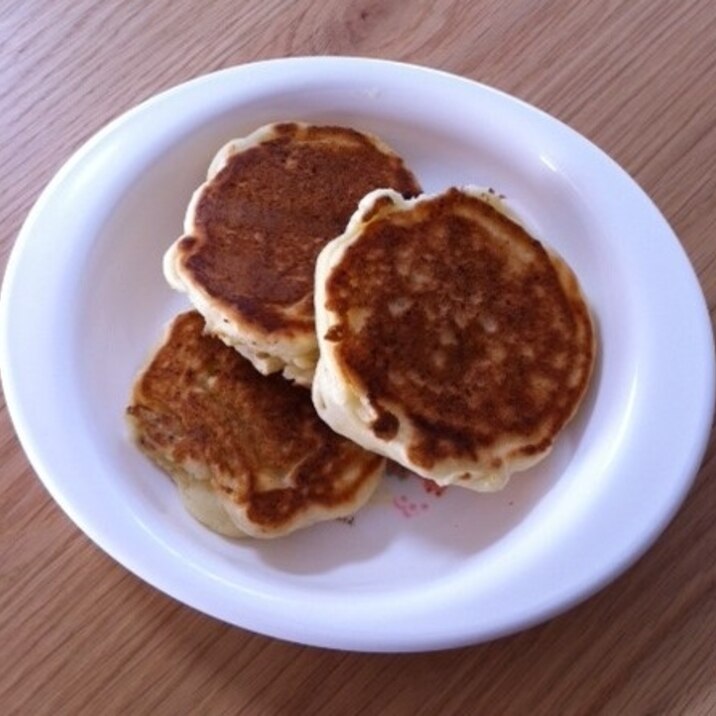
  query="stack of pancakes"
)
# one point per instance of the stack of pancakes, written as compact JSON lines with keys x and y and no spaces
{"x":432,"y":330}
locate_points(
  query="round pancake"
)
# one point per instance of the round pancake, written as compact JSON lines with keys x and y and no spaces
{"x":451,"y":341}
{"x":247,"y":451}
{"x":253,"y":231}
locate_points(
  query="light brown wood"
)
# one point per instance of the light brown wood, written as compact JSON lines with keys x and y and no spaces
{"x":79,"y":634}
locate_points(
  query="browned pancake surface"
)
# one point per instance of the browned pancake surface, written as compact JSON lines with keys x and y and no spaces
{"x":263,"y":219}
{"x":257,"y":438}
{"x":454,"y":313}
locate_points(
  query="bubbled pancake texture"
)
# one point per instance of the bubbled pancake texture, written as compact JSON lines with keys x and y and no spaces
{"x":451,"y":317}
{"x":199,"y":409}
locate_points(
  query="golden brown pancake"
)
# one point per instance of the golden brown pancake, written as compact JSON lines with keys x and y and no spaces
{"x":254,"y":229}
{"x":450,"y":340}
{"x":248,"y":451}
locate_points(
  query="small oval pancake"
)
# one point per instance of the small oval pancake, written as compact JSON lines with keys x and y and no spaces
{"x":253,"y":231}
{"x":247,"y":451}
{"x":450,"y":340}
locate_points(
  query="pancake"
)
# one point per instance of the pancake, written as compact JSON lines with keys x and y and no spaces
{"x":253,"y":231}
{"x":451,"y":341}
{"x":247,"y":451}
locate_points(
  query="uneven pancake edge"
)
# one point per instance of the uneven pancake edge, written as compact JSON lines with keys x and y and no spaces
{"x":293,"y":352}
{"x":273,"y":336}
{"x":247,"y":452}
{"x":343,"y":401}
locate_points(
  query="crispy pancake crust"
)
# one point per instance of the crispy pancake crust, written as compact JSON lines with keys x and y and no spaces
{"x":254,"y":229}
{"x":247,"y":450}
{"x":451,"y":341}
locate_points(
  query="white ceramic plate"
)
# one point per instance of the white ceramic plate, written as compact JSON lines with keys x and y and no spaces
{"x":84,"y":300}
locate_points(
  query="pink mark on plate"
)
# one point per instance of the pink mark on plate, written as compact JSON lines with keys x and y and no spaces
{"x":402,"y":473}
{"x":407,"y":507}
{"x":432,"y":488}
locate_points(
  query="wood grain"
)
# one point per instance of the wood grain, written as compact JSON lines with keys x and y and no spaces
{"x":79,"y":634}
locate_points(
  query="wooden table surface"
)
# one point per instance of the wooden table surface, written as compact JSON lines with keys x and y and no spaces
{"x":79,"y":634}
